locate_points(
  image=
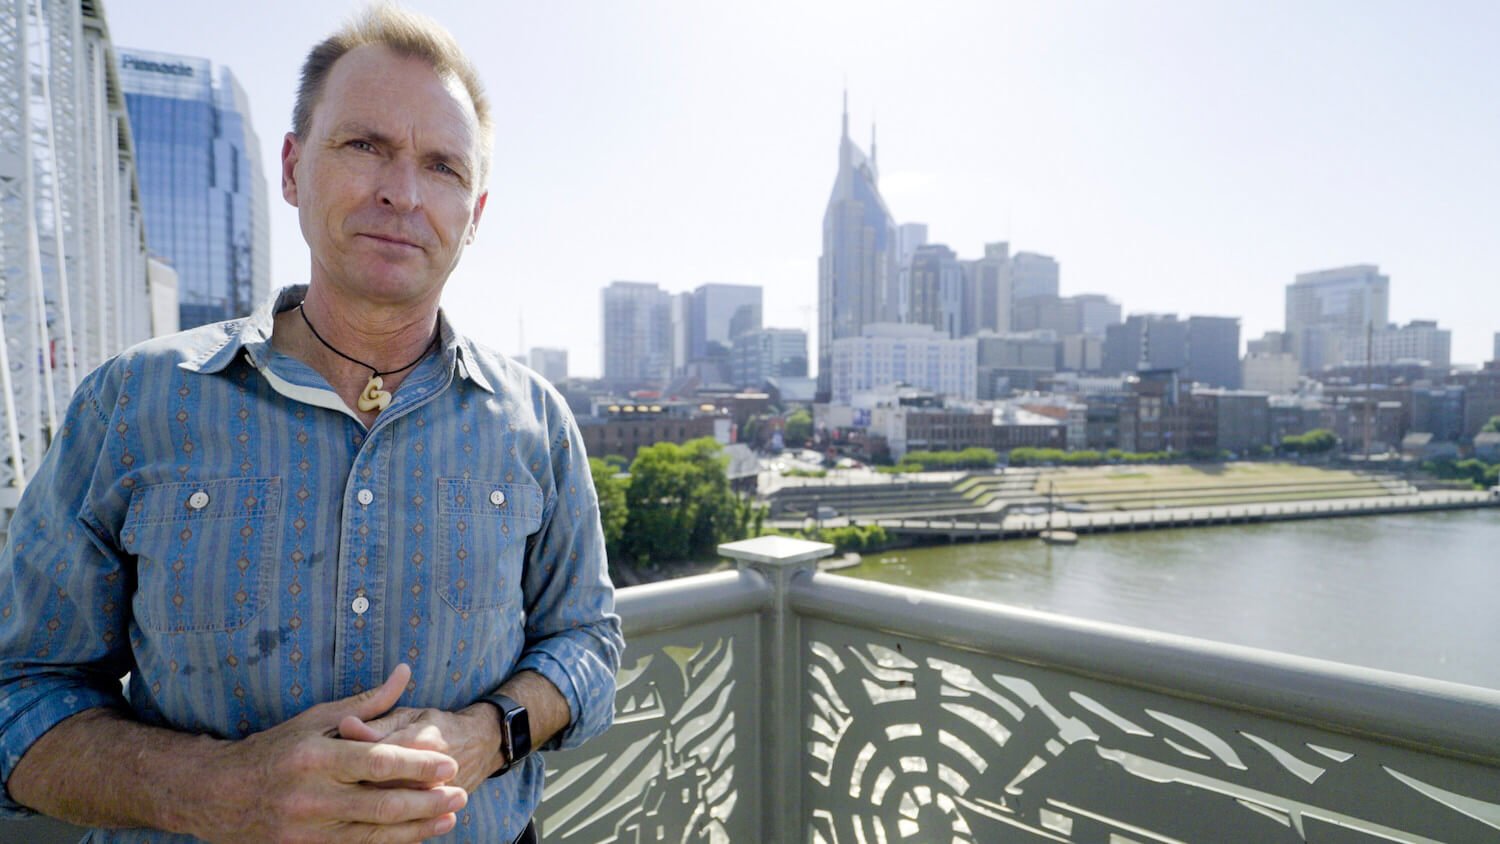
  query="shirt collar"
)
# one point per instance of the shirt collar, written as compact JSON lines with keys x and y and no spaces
{"x":252,"y":335}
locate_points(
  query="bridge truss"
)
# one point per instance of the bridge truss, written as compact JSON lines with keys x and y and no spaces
{"x":73,"y":262}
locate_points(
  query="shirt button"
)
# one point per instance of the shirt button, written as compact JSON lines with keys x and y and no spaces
{"x":198,"y":500}
{"x":497,"y":498}
{"x":365,"y":496}
{"x":360,"y":605}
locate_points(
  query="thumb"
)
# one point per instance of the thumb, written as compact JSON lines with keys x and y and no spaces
{"x":371,"y":704}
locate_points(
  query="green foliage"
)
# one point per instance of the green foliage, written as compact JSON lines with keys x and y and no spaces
{"x":939,"y":461}
{"x":1316,"y":441}
{"x":617,"y":462}
{"x":1492,"y":426}
{"x":853,"y":537}
{"x":898,"y":469}
{"x":798,"y":429}
{"x":612,"y":507}
{"x":805,"y":473}
{"x":859,"y":538}
{"x":1472,"y":470}
{"x":680,"y":503}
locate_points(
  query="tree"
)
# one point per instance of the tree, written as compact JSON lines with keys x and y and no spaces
{"x":1492,"y":426}
{"x":679,"y":503}
{"x":612,"y":508}
{"x":798,"y":429}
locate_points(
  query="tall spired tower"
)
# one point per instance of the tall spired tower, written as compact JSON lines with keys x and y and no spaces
{"x":857,"y":274}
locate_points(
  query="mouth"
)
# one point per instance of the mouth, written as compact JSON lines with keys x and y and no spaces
{"x":390,"y":240}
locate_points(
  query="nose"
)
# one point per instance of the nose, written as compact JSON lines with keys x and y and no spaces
{"x":399,"y":187}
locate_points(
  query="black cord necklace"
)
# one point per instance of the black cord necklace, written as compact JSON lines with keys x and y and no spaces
{"x":373,"y":398}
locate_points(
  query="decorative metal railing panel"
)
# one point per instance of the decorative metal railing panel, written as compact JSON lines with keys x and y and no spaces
{"x":681,"y":762}
{"x":915,"y":741}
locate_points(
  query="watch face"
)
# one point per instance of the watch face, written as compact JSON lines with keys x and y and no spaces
{"x":518,"y":731}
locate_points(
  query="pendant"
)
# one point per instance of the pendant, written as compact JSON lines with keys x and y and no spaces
{"x":373,"y":397}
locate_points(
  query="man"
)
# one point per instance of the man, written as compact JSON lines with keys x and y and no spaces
{"x":284,"y":526}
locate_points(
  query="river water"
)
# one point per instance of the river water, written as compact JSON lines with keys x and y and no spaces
{"x":1417,"y":593}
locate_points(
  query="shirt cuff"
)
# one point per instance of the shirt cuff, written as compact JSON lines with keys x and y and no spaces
{"x":586,"y":682}
{"x":47,"y":707}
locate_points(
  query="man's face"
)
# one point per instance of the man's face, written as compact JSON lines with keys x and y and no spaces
{"x":385,"y":182}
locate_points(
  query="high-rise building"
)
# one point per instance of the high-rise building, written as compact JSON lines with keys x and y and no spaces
{"x":990,"y":289}
{"x":909,"y":236}
{"x":717,"y":314}
{"x":1033,"y":275}
{"x":637,"y":334}
{"x":769,"y":353}
{"x":201,"y":182}
{"x":1328,"y":308}
{"x":1418,"y":340}
{"x":1213,"y":351}
{"x":1088,"y":313}
{"x":914,"y":355}
{"x":858,"y":278}
{"x":1145,"y":342}
{"x":936,"y":296}
{"x":1495,"y":355}
{"x":551,"y":364}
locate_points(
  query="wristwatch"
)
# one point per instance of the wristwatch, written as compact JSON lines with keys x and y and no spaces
{"x":515,"y":731}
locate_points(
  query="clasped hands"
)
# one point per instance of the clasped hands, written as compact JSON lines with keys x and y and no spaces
{"x":357,"y":769}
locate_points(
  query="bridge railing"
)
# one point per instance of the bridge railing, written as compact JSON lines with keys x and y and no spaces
{"x":776,"y":703}
{"x":779,"y":704}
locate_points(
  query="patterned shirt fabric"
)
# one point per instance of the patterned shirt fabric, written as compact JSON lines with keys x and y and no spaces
{"x":214,"y":521}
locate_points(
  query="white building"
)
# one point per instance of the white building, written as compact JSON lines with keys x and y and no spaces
{"x":1418,"y":340}
{"x":1270,"y":372}
{"x":916,"y":355}
{"x":1327,"y":309}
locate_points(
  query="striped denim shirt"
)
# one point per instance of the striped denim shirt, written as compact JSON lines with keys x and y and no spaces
{"x":212,"y":520}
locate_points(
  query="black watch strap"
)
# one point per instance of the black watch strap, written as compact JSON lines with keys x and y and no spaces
{"x":515,"y":731}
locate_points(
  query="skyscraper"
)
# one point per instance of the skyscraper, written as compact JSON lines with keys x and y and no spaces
{"x":936,"y":297}
{"x":1213,"y":351}
{"x":637,"y":334}
{"x":717,"y":314}
{"x":857,"y":273}
{"x":202,"y":187}
{"x":1328,"y":308}
{"x":990,"y":289}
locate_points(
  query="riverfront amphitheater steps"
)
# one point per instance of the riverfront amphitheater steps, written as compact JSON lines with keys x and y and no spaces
{"x":990,"y":499}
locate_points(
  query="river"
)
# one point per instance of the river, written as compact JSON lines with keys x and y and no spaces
{"x":1416,"y":593}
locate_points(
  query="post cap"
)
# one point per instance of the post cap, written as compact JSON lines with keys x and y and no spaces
{"x":776,"y":550}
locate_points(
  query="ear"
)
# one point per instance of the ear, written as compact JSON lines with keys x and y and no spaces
{"x":478,"y":212}
{"x":291,"y":153}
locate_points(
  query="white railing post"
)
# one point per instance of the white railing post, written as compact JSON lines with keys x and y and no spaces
{"x":779,"y":559}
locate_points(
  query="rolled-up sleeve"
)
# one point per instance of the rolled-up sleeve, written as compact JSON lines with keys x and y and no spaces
{"x":63,"y":596}
{"x":572,"y":632}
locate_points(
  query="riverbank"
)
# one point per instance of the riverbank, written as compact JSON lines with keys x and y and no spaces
{"x":1016,"y":503}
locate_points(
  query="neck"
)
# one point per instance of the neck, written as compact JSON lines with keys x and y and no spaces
{"x":384,"y":337}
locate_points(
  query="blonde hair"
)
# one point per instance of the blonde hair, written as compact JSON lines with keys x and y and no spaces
{"x":407,"y":34}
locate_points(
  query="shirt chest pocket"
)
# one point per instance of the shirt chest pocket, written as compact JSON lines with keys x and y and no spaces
{"x":204,"y":552}
{"x":483,"y":527}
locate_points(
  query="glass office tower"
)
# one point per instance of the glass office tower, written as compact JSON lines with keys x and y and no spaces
{"x":201,"y":182}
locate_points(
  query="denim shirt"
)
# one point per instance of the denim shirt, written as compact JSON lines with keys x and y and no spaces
{"x":214,"y":521}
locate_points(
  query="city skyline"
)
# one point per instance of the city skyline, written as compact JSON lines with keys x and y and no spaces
{"x":1177,"y":159}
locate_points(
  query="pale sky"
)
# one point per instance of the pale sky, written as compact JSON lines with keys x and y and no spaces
{"x":1183,"y":157}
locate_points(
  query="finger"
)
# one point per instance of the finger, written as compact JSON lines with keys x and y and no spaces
{"x":378,"y":701}
{"x":367,"y":705}
{"x":354,"y":729}
{"x":391,"y":806}
{"x":376,"y":763}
